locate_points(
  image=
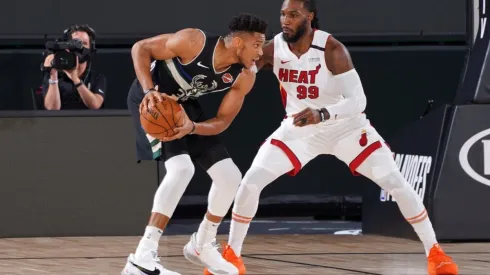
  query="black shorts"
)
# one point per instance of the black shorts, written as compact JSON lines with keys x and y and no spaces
{"x":205,"y":150}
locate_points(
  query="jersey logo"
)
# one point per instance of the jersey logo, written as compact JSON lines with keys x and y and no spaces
{"x":284,"y":62}
{"x":363,"y":138}
{"x":198,"y":88}
{"x":309,"y":91}
{"x":296,"y":76}
{"x":201,"y":65}
{"x":227,"y":78}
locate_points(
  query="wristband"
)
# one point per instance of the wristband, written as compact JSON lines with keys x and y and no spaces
{"x":79,"y":84}
{"x":193,"y":128}
{"x":149,"y":90}
{"x":322,"y":114}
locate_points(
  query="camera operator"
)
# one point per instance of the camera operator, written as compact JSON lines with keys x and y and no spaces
{"x":69,"y":82}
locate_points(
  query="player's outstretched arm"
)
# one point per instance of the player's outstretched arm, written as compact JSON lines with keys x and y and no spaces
{"x":185,"y":44}
{"x":230,"y":106}
{"x":346,"y":81}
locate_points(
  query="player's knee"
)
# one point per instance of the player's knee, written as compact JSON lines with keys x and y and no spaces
{"x":394,"y":183}
{"x":382,"y":169}
{"x":255,"y":180}
{"x":234,"y":177}
{"x":226,"y":173}
{"x":233,"y":174}
{"x":180,"y":166}
{"x":248,"y":195}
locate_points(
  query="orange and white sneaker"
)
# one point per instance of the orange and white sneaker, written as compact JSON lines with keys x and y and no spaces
{"x":440,"y":263}
{"x":230,"y":256}
{"x":209,"y":257}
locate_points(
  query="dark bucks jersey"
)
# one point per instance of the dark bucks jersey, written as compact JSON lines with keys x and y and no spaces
{"x":196,"y":78}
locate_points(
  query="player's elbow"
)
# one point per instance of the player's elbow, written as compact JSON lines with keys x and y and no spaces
{"x":138,"y":48}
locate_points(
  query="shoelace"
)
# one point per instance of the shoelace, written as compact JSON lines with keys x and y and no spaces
{"x":211,"y":246}
{"x":439,"y":253}
{"x":154,"y":254}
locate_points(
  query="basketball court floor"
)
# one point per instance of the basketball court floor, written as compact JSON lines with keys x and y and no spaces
{"x":270,"y":253}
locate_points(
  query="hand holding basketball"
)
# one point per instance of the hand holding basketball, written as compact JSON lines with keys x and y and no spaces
{"x":163,"y":118}
{"x":181,"y":131}
{"x":151,"y":100}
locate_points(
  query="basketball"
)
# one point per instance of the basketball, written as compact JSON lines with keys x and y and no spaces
{"x":162,"y":118}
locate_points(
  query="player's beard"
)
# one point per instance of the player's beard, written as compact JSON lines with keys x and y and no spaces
{"x":298,"y":34}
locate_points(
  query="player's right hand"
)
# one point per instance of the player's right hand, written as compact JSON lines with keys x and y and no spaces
{"x":151,"y":99}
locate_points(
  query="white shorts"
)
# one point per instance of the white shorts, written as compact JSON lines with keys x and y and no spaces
{"x":351,"y":141}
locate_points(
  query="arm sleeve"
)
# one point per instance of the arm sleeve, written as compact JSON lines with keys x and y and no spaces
{"x":354,"y":102}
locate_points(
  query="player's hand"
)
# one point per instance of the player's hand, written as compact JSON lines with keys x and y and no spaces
{"x":306,"y":117}
{"x":151,"y":99}
{"x":181,"y":131}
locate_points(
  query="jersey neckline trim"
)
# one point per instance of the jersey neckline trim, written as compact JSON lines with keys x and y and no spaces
{"x":212,"y":61}
{"x":200,"y":52}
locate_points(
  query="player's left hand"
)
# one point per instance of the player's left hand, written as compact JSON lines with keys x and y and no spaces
{"x":181,"y":131}
{"x":306,"y":117}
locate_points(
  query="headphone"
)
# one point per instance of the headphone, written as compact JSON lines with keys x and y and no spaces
{"x":83,"y":28}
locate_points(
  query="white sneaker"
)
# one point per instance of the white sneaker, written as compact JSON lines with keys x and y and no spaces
{"x":148,"y":265}
{"x":208,"y":256}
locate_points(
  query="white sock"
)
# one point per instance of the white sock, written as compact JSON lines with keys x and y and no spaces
{"x":153,"y":233}
{"x":149,"y":241}
{"x":247,"y":202}
{"x":238,"y":232}
{"x":409,"y":202}
{"x":426,"y":233}
{"x":207,"y":232}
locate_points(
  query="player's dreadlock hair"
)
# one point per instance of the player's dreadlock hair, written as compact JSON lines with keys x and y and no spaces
{"x":247,"y":23}
{"x":310,"y":5}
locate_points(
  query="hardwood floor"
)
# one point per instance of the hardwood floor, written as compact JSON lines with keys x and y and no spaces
{"x":271,"y":254}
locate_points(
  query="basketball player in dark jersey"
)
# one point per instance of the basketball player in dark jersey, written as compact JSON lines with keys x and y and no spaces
{"x":188,"y":64}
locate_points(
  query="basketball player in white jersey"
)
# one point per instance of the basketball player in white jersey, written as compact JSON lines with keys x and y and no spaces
{"x":324,"y":101}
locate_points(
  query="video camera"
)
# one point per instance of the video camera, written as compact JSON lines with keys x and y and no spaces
{"x":66,"y":53}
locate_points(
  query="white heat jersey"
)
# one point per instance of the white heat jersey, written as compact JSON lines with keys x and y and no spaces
{"x":304,"y":81}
